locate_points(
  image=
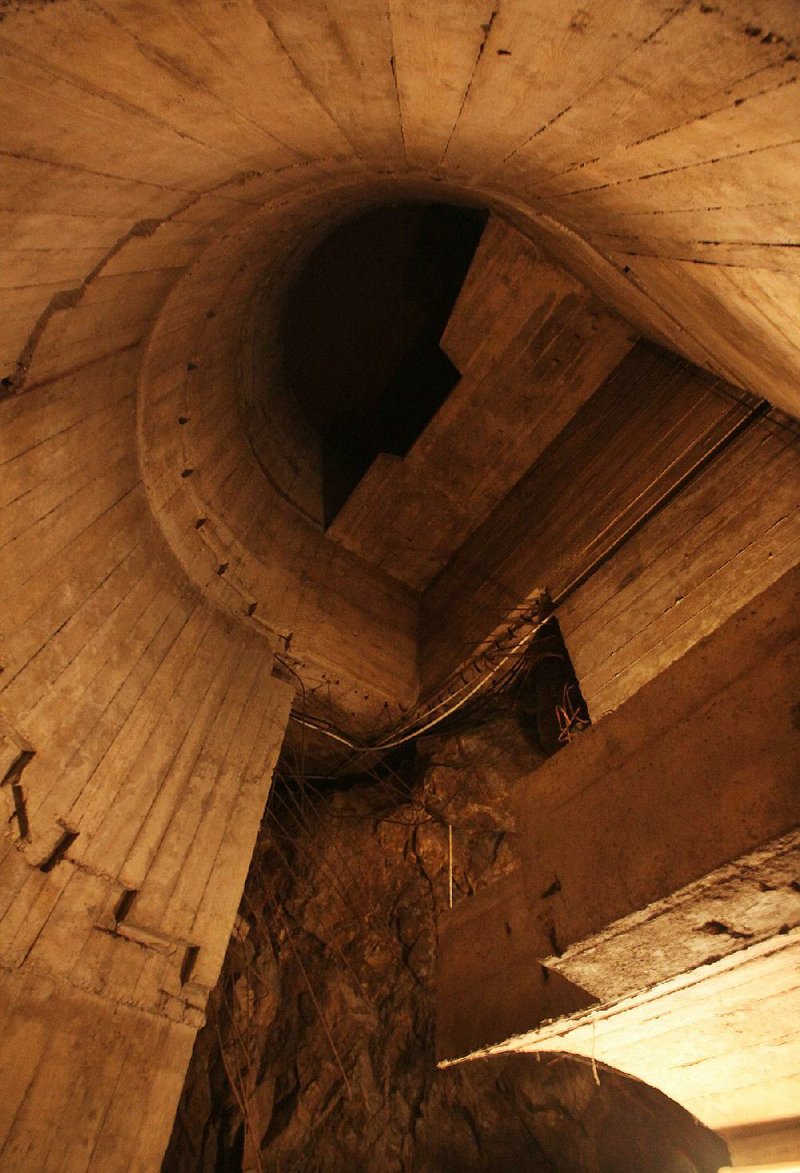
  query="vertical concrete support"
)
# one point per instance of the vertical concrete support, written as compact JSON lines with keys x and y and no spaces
{"x":690,"y":787}
{"x":139,"y":728}
{"x":658,"y":875}
{"x":88,"y":1083}
{"x":118,"y":900}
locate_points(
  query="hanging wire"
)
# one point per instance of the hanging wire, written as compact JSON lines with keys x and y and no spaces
{"x":497,"y":672}
{"x":498,"y":659}
{"x":298,"y":827}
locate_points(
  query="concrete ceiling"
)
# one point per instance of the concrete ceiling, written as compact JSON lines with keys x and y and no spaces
{"x":654,"y":145}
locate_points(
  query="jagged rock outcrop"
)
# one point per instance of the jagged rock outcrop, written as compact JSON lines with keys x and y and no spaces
{"x":319,"y":1055}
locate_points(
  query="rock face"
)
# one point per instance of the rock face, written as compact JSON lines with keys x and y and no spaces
{"x":318,"y":1055}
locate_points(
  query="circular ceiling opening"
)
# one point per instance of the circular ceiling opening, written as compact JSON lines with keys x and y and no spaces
{"x":361,"y":330}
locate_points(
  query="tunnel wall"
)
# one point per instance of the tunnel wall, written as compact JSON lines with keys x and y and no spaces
{"x":140,"y":726}
{"x":650,"y":146}
{"x":719,"y":544}
{"x":664,"y":475}
{"x":235,"y":485}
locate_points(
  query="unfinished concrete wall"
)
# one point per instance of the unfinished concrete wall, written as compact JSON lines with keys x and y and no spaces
{"x":208,"y":140}
{"x":734,"y":530}
{"x":649,"y":145}
{"x":657,"y":887}
{"x":140,"y":726}
{"x":632,"y":445}
{"x":652,"y":145}
{"x":698,"y":768}
{"x":531,"y":344}
{"x":236,"y":487}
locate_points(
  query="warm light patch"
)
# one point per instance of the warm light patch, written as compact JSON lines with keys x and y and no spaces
{"x":780,"y":1167}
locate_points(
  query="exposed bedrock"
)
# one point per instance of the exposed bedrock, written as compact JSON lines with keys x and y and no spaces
{"x":326,"y":1008}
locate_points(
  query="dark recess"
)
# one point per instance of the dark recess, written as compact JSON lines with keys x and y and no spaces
{"x":361,"y":333}
{"x":541,"y":692}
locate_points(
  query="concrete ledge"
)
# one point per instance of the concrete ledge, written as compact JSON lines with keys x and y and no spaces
{"x":750,"y":900}
{"x":490,"y":981}
{"x":698,"y":769}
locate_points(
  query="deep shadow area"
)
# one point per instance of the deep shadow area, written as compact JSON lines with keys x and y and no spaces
{"x":319,"y":1052}
{"x":540,"y":692}
{"x":361,"y":332}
